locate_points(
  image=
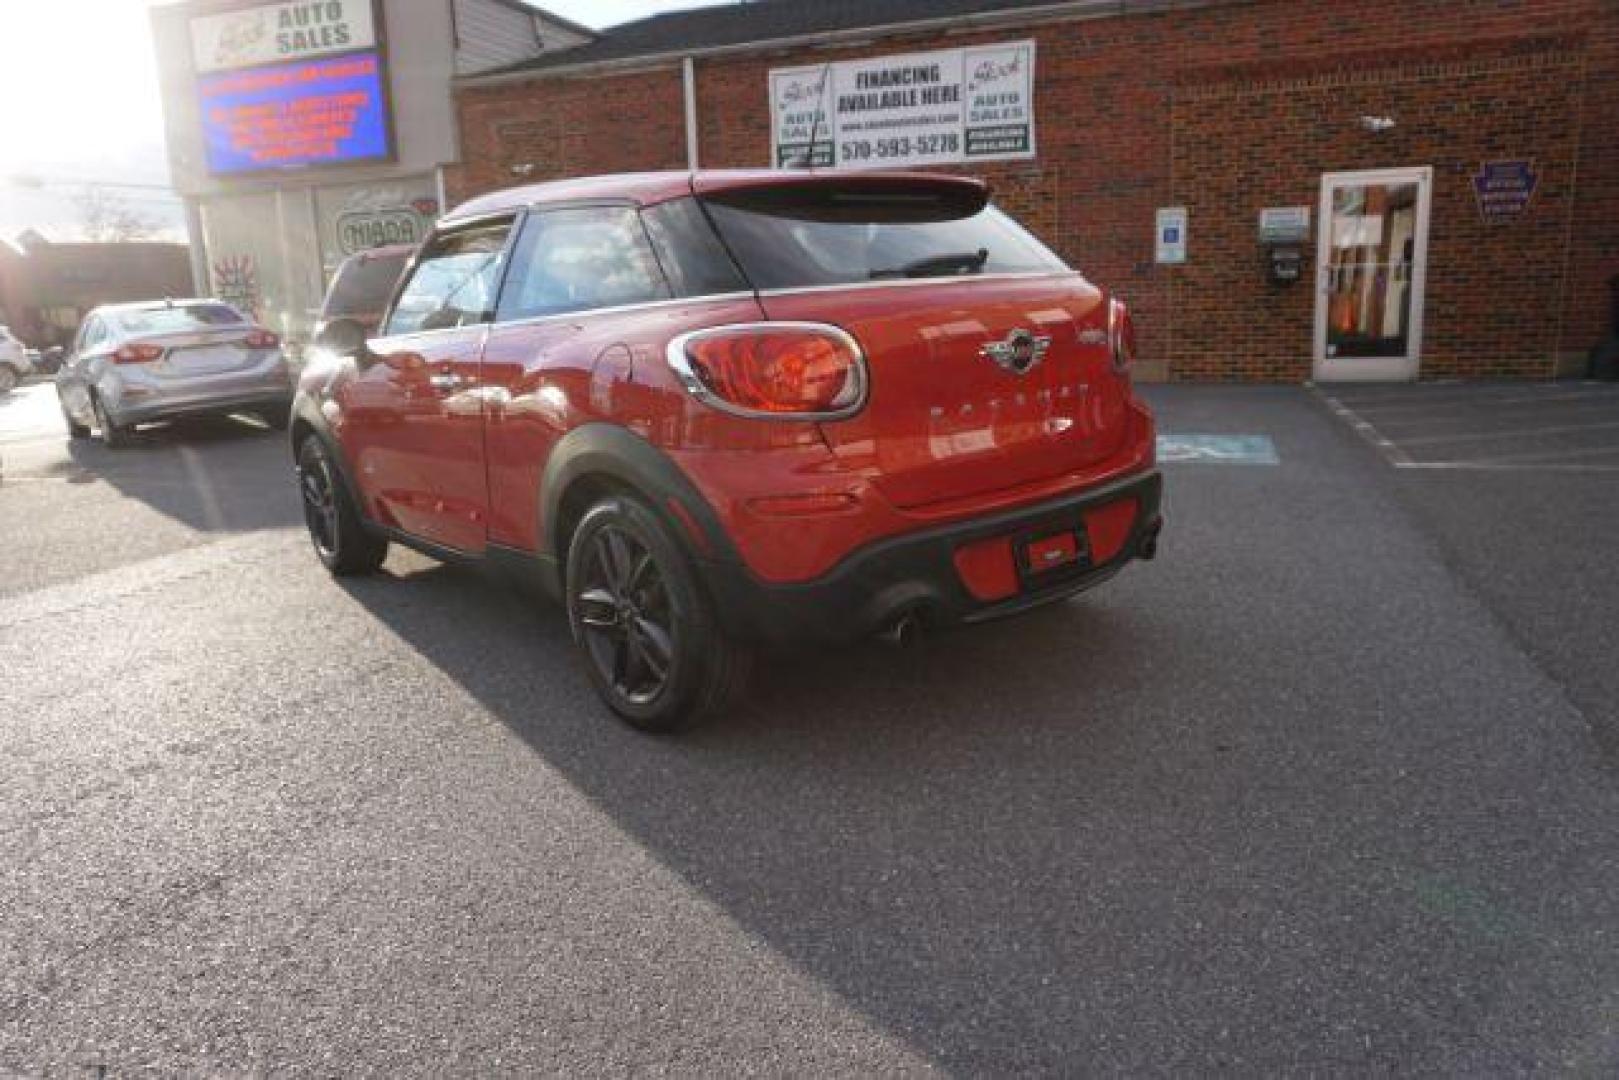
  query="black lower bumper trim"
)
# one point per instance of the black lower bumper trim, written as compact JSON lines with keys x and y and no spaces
{"x":916,"y":574}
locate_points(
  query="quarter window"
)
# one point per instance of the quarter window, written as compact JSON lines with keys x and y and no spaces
{"x":453,"y":284}
{"x":692,"y":256}
{"x":577,"y":258}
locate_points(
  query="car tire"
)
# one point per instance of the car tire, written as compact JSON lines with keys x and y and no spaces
{"x":341,"y":540}
{"x":75,"y":430}
{"x":9,"y":378}
{"x":635,"y":606}
{"x":112,"y":435}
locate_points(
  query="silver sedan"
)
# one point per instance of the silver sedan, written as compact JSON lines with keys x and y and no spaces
{"x":135,"y":363}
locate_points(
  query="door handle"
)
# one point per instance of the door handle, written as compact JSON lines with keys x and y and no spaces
{"x":446,"y":380}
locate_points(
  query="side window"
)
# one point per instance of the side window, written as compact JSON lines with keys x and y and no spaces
{"x":453,"y":284}
{"x":692,"y":256}
{"x":578,"y":258}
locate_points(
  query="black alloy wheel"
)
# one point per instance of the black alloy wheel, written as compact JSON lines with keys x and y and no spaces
{"x":339,"y":537}
{"x":625,"y":615}
{"x":644,"y":622}
{"x":320,"y":504}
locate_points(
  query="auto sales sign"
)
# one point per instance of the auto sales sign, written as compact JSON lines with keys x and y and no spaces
{"x":277,"y":33}
{"x":933,"y":108}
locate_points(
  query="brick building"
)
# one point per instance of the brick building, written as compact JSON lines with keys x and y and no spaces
{"x":1444,"y":172}
{"x":46,"y":288}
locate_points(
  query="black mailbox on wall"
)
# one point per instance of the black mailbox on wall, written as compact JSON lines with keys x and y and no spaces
{"x":1283,"y":232}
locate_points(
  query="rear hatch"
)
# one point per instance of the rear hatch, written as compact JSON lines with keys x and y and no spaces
{"x":988,"y":358}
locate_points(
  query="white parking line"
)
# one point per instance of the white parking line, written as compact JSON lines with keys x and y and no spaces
{"x":1460,"y":391}
{"x":1365,"y":429}
{"x":1563,"y":400}
{"x":1507,"y":433}
{"x":1509,"y":466}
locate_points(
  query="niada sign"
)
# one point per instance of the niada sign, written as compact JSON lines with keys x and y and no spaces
{"x":276,"y":33}
{"x":933,"y":108}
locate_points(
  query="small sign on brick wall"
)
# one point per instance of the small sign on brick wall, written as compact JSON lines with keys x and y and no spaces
{"x":1171,"y":235}
{"x":1284,"y":224}
{"x":1504,"y":188}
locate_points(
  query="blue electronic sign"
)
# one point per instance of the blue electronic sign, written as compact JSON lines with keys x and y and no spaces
{"x":317,"y":112}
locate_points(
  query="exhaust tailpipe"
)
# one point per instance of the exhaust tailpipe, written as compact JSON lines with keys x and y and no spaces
{"x":904,"y":632}
{"x":1149,"y":542}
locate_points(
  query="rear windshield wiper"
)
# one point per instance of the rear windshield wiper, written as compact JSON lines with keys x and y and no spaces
{"x":955,"y":262}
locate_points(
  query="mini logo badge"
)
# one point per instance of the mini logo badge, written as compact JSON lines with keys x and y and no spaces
{"x":1019,"y":351}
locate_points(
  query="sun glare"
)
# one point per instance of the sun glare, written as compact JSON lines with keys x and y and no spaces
{"x":91,"y":113}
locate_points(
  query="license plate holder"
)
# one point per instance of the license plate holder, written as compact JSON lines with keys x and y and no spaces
{"x":1051,"y":552}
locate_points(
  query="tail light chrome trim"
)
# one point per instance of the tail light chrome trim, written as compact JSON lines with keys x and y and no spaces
{"x":1120,"y":335}
{"x":850,"y":400}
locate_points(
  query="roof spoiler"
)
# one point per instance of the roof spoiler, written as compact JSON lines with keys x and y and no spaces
{"x":828,"y":195}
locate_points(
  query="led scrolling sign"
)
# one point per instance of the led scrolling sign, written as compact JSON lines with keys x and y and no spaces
{"x":291,"y":84}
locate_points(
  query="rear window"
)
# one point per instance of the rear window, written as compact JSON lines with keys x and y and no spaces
{"x":177,"y":319}
{"x":363,"y":285}
{"x":825,"y":236}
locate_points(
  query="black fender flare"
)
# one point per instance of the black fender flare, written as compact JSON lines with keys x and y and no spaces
{"x":608,"y":451}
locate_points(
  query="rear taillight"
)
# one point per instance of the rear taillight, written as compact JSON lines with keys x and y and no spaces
{"x":261,"y":339}
{"x":782,"y":370}
{"x":1121,"y":335}
{"x":137,"y":354}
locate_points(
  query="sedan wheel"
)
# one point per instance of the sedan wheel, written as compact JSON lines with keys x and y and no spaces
{"x":8,"y":378}
{"x":111,"y":434}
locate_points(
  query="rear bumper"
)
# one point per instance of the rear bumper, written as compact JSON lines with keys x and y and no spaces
{"x":129,"y":412}
{"x":916,"y":574}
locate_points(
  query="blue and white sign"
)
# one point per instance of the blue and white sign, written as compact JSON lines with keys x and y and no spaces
{"x":1504,"y":188}
{"x":1171,"y":235}
{"x":1217,"y":449}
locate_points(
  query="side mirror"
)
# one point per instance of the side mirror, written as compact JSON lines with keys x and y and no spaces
{"x":342,"y":336}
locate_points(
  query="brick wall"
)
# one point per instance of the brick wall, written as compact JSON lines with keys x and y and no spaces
{"x":1493,"y":288}
{"x":1223,"y":109}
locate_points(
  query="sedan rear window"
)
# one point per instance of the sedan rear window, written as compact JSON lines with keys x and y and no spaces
{"x":178,"y":318}
{"x":822,"y":236}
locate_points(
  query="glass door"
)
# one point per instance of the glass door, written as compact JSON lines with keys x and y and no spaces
{"x":1371,"y":265}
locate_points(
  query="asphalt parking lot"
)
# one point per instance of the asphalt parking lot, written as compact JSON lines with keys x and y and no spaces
{"x":1329,"y":787}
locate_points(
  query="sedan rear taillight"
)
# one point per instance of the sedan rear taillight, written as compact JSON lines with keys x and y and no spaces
{"x":1121,"y":335}
{"x":261,"y":339}
{"x":779,"y":371}
{"x":137,"y":354}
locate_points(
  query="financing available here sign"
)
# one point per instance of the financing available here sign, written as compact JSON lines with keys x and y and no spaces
{"x":932,"y":108}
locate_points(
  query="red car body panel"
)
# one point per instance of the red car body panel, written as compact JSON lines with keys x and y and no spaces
{"x":414,"y":438}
